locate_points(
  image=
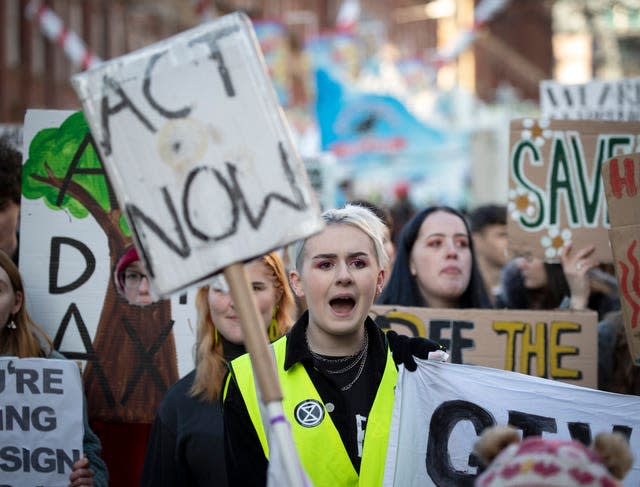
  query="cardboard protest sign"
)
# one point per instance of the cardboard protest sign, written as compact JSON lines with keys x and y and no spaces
{"x":72,"y":235}
{"x":555,"y":187}
{"x":198,"y":151}
{"x":558,"y":345}
{"x":441,"y":409}
{"x":41,"y":426}
{"x":597,"y":100}
{"x":621,"y":177}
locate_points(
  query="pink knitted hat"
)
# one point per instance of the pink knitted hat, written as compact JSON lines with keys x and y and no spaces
{"x":127,"y":258}
{"x":537,"y":462}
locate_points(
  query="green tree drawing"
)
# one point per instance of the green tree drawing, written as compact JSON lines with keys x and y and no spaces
{"x":132,"y":359}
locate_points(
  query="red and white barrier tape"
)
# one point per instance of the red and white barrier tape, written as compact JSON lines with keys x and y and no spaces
{"x":203,"y":9}
{"x":54,"y":29}
{"x":483,"y":13}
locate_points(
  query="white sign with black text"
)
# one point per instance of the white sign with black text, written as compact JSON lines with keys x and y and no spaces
{"x":41,"y":421}
{"x":441,"y":409}
{"x":199,"y":152}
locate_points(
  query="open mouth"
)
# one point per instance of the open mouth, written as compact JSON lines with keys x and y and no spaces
{"x":342,"y":305}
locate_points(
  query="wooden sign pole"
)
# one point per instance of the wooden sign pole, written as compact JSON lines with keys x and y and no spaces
{"x":255,"y":334}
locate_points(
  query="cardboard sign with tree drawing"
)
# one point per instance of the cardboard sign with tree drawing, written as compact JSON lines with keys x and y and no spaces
{"x":200,"y":157}
{"x":555,"y":186}
{"x":73,"y":231}
{"x":621,"y":177}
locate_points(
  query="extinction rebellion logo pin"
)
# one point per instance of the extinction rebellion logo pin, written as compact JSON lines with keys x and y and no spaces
{"x":309,"y":413}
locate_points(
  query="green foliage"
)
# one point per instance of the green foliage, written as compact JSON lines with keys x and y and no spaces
{"x":55,"y":149}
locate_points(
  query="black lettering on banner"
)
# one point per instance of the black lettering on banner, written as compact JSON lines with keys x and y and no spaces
{"x":49,"y":380}
{"x":138,"y":216}
{"x":211,"y":40}
{"x":10,"y":459}
{"x":443,"y":420}
{"x":237,"y":200}
{"x":623,"y":430}
{"x":107,"y":112}
{"x":532,"y":424}
{"x":89,"y":354}
{"x":42,"y":418}
{"x":145,"y":359}
{"x":146,"y":90}
{"x":26,"y":378}
{"x":232,"y":194}
{"x":73,"y":169}
{"x":457,"y":341}
{"x":41,"y":460}
{"x":573,"y":96}
{"x":582,"y":432}
{"x":54,"y":265}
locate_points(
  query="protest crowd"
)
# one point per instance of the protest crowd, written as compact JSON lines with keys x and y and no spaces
{"x":244,"y":314}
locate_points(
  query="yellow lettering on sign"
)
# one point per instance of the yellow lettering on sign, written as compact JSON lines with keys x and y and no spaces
{"x":536,"y":347}
{"x":511,"y":329}
{"x":557,"y":351}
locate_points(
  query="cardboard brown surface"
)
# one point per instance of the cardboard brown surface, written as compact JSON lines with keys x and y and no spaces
{"x":626,"y":252}
{"x":559,"y":345}
{"x":621,"y":179}
{"x":555,"y":189}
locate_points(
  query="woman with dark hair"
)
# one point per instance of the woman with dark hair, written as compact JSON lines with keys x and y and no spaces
{"x":435,"y":264}
{"x":532,"y":284}
{"x":21,"y":337}
{"x":577,"y":282}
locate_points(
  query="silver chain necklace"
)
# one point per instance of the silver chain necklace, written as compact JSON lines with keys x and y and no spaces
{"x":358,"y":358}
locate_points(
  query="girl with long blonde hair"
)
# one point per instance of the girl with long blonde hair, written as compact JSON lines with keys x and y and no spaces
{"x":187,"y":442}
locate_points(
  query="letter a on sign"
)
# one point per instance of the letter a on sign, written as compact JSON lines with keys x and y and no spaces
{"x":199,"y":153}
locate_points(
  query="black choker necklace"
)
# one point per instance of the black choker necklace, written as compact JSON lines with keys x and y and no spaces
{"x":360,"y":357}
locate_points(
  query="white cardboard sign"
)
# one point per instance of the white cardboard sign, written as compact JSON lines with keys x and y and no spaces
{"x":595,"y":100}
{"x":41,"y":426}
{"x":441,"y":409}
{"x":71,"y":237}
{"x":198,"y":151}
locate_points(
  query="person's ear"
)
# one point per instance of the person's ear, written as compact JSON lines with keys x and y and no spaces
{"x":19,"y":297}
{"x":296,"y":285}
{"x":412,"y":268}
{"x":379,"y":282}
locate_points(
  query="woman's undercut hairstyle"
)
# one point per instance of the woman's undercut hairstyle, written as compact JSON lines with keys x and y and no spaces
{"x":359,"y":217}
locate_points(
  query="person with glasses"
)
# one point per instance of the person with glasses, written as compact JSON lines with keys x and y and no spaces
{"x":132,"y":281}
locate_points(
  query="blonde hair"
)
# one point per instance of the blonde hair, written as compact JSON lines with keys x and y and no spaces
{"x":359,"y":217}
{"x":28,"y":339}
{"x":211,"y":366}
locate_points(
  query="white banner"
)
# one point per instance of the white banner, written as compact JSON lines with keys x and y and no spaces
{"x":442,"y":408}
{"x":596,"y":100}
{"x":41,"y":426}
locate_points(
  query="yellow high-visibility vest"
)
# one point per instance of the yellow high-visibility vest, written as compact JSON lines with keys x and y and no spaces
{"x":317,"y":440}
